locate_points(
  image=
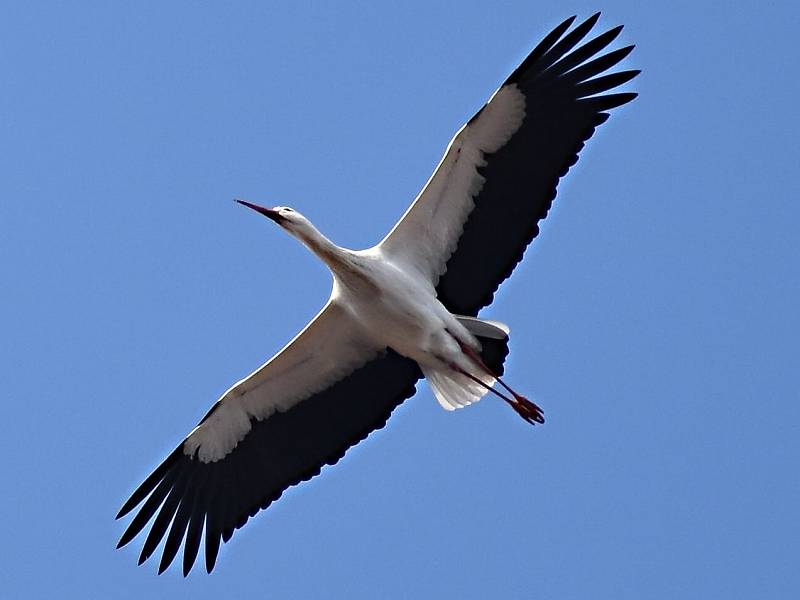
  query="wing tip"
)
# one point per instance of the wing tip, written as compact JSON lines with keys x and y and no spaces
{"x":150,"y":482}
{"x":567,"y":22}
{"x":126,"y":508}
{"x":210,"y":564}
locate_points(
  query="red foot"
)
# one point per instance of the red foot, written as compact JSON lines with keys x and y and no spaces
{"x":527,"y":409}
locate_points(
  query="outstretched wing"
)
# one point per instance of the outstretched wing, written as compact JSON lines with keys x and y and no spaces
{"x":323,"y":393}
{"x":471,"y":224}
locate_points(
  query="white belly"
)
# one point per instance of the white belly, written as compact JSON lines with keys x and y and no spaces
{"x":402,"y":313}
{"x":399,"y":310}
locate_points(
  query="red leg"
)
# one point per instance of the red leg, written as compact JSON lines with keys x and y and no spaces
{"x":524,"y":407}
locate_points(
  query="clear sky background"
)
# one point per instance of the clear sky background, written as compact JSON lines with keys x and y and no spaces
{"x":655,"y":318}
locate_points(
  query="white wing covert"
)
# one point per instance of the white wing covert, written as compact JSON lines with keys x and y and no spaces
{"x":326,"y":350}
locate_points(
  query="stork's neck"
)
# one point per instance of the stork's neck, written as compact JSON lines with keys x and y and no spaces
{"x":332,"y":255}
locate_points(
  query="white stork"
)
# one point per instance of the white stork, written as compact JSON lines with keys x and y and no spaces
{"x":399,"y":311}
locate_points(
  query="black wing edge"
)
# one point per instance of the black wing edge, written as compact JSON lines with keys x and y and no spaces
{"x":565,"y":90}
{"x":190,"y":499}
{"x":494,"y":353}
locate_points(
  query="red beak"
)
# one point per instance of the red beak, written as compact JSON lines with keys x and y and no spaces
{"x":267,"y":212}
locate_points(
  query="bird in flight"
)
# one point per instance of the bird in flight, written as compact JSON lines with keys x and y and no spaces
{"x":402,"y":310}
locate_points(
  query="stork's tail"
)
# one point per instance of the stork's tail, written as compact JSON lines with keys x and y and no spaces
{"x":456,"y":390}
{"x":459,"y":386}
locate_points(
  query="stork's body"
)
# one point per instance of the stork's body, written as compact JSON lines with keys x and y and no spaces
{"x":393,"y":305}
{"x":404,"y":314}
{"x":405,"y":309}
{"x":399,"y":310}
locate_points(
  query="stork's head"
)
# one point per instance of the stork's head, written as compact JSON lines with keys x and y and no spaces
{"x":302,"y":229}
{"x":286,"y":217}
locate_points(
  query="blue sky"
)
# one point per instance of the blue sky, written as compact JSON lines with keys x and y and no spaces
{"x":655,"y":318}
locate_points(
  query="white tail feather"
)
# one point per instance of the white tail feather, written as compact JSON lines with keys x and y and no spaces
{"x":454,"y":390}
